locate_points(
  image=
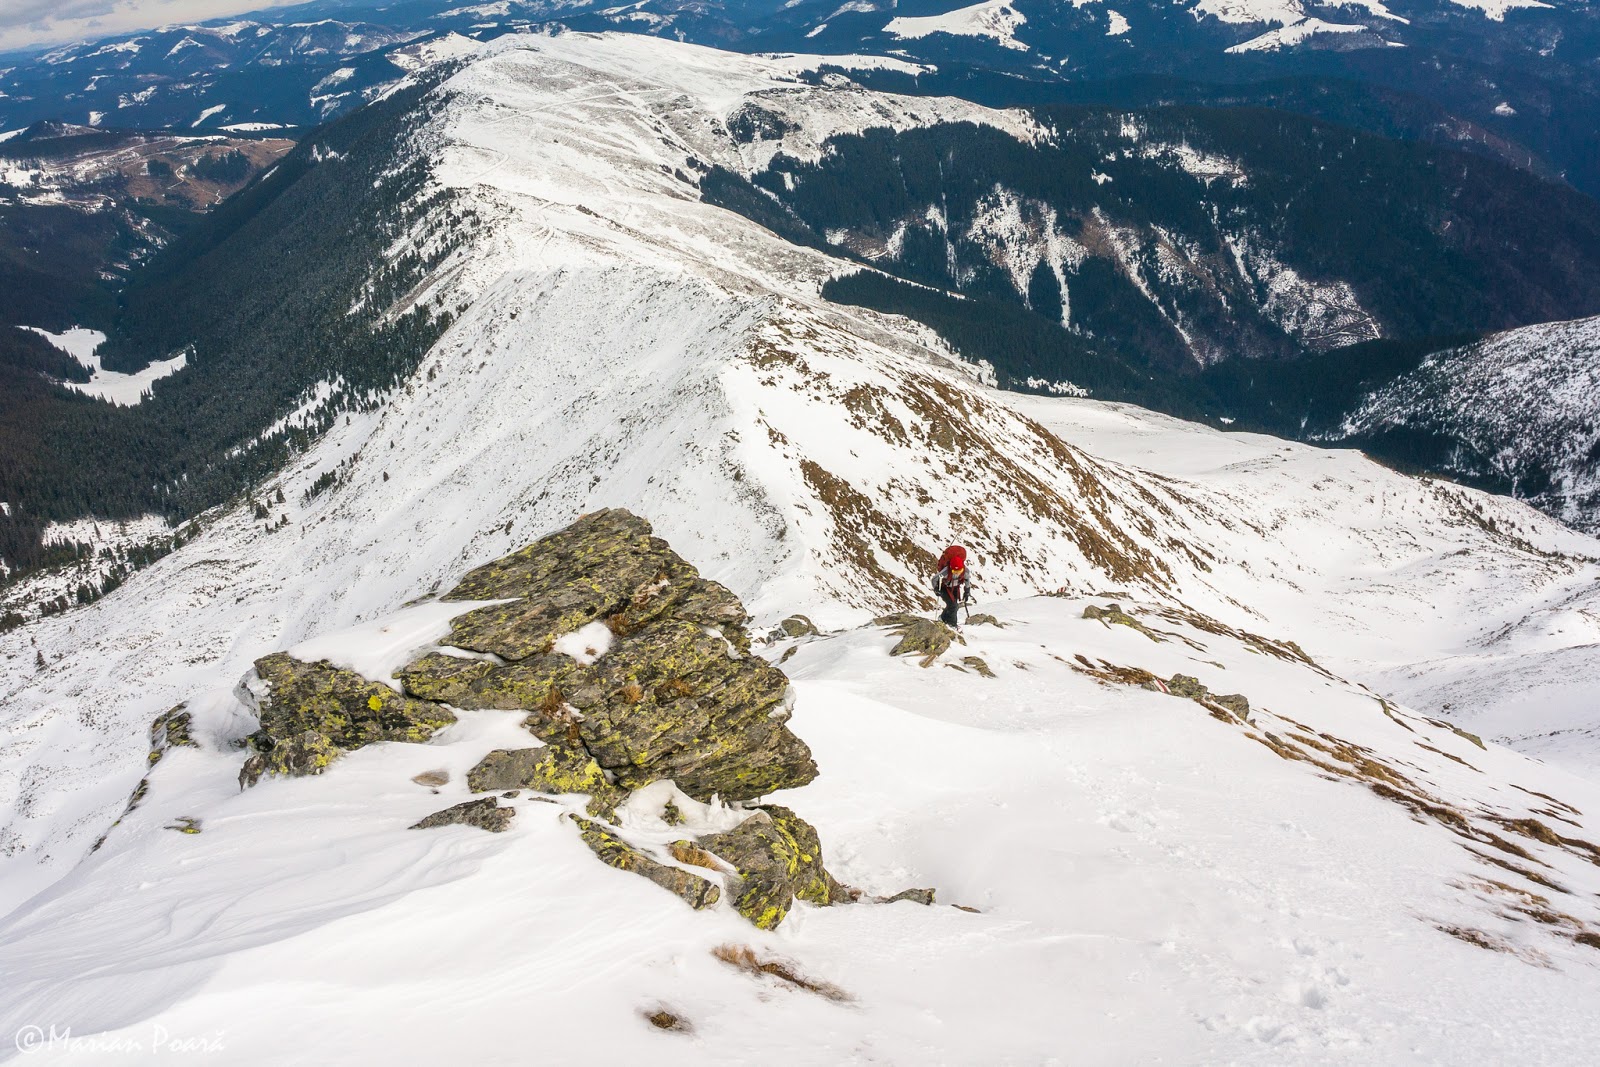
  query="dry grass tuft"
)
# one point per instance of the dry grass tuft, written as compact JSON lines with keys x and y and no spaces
{"x":662,"y":1019}
{"x":1477,"y":937}
{"x":693,"y":855}
{"x":672,"y":689}
{"x":432,"y":778}
{"x":744,"y":958}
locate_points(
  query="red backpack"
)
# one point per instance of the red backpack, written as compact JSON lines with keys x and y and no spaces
{"x":955,"y":557}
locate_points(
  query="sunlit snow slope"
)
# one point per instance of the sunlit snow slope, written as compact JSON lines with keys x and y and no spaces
{"x":1154,"y":881}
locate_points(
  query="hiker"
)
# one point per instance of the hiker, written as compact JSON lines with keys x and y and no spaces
{"x":953,"y":583}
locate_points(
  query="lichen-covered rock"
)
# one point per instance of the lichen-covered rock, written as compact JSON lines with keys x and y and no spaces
{"x":978,"y":664}
{"x":797,"y":626}
{"x":476,"y":684}
{"x":170,"y":730}
{"x":984,"y":619}
{"x":778,"y":858}
{"x":1237,"y":703}
{"x":928,"y":638}
{"x":485,"y":814}
{"x":1112,"y":614}
{"x":557,"y":767}
{"x":605,"y":565}
{"x":312,"y":712}
{"x":1184,"y":685}
{"x":676,"y":705}
{"x":673,"y":697}
{"x":693,"y":890}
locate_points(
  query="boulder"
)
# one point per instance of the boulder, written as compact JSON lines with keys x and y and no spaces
{"x":928,"y":638}
{"x":485,"y":814}
{"x":778,"y":858}
{"x":311,"y":713}
{"x":1237,"y":703}
{"x":797,"y":626}
{"x":673,"y":697}
{"x":693,"y":890}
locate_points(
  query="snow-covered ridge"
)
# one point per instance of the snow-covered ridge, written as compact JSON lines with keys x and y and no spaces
{"x":1154,"y":881}
{"x":996,"y":19}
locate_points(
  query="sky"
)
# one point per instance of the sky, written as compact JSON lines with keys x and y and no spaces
{"x":31,"y":23}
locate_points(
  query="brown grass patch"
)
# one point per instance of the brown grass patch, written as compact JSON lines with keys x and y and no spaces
{"x":672,"y":689}
{"x":1477,"y":937}
{"x":744,"y":958}
{"x":662,"y":1019}
{"x":432,"y":778}
{"x":694,"y":856}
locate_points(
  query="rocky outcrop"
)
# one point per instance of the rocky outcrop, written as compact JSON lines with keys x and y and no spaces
{"x":170,"y":730}
{"x":778,"y":860}
{"x":485,"y":814}
{"x":927,"y":638}
{"x":674,"y":695}
{"x":693,"y":890}
{"x":630,"y":669}
{"x":1184,"y":685}
{"x":1113,"y":615}
{"x":311,"y":713}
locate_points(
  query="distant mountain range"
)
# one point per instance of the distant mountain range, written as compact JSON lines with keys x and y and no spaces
{"x":1513,"y":78}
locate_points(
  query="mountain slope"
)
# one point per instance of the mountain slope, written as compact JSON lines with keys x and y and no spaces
{"x":1153,"y":878}
{"x":1519,"y":409}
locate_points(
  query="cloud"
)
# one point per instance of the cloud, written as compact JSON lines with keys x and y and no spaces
{"x":39,"y":13}
{"x":31,"y":23}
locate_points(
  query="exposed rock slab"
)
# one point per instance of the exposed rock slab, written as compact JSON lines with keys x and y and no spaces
{"x":556,"y":767}
{"x":485,"y":814}
{"x":312,"y":712}
{"x":693,"y":890}
{"x":673,"y":697}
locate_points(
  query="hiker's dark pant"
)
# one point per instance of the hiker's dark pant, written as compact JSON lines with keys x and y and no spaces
{"x":951,"y":606}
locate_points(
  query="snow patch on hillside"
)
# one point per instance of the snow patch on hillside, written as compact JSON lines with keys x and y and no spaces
{"x":995,"y":19}
{"x":1497,"y":9}
{"x":1244,"y":12}
{"x":1293,"y":34}
{"x":114,"y":387}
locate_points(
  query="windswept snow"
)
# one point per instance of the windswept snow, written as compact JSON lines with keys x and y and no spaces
{"x":993,"y":18}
